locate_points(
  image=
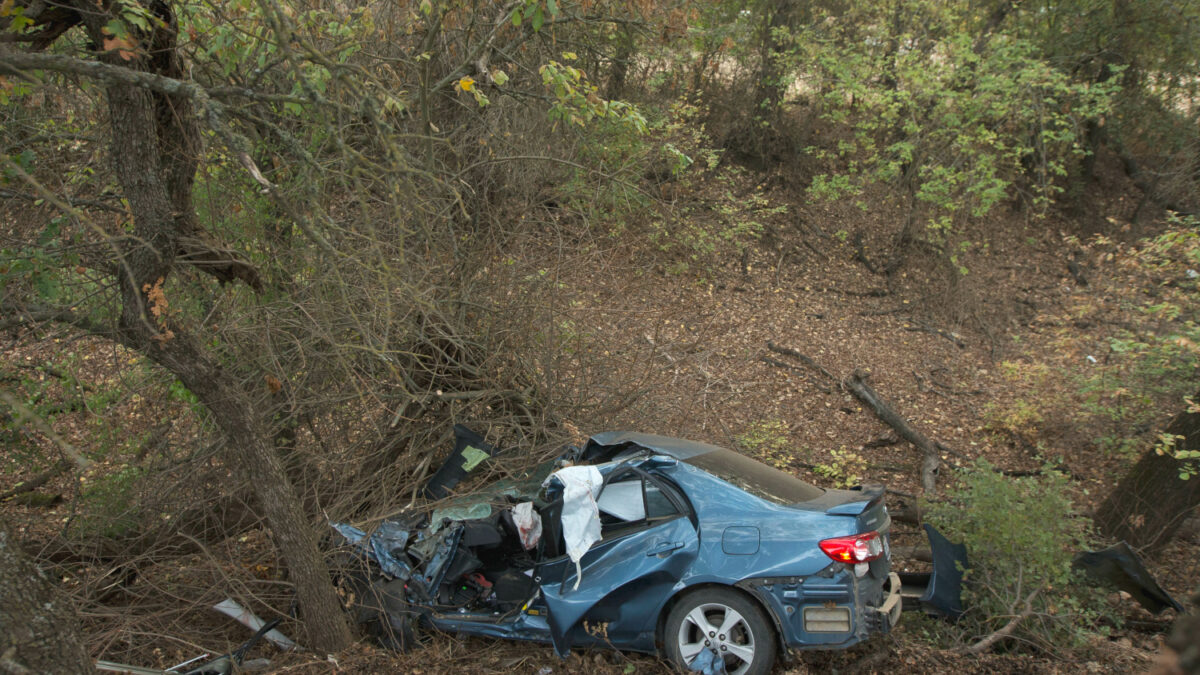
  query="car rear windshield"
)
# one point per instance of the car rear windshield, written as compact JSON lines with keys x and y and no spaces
{"x":755,"y":477}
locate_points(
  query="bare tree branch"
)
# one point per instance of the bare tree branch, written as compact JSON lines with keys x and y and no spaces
{"x":1004,"y":631}
{"x":209,"y":111}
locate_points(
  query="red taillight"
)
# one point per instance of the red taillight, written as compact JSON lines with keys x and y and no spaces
{"x":856,"y":548}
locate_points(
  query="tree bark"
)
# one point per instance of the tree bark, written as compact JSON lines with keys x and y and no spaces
{"x":1151,"y":501}
{"x":771,"y":88}
{"x":615,"y":87}
{"x":253,"y":450}
{"x":39,"y":633}
{"x":155,"y":149}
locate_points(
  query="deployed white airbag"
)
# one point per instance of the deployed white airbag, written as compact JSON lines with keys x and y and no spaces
{"x":623,"y":500}
{"x":580,"y":515}
{"x":529,"y":524}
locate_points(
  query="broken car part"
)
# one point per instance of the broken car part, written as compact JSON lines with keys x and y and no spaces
{"x":939,"y":592}
{"x":1120,"y":567}
{"x":469,"y":452}
{"x":230,"y":608}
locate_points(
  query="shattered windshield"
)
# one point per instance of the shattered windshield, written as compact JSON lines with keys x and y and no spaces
{"x":755,"y":477}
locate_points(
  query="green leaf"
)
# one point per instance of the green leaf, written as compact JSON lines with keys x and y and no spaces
{"x":538,"y":19}
{"x":516,"y":19}
{"x":46,"y":286}
{"x":116,"y":28}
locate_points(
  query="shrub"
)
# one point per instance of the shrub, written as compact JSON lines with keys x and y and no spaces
{"x":1020,"y":534}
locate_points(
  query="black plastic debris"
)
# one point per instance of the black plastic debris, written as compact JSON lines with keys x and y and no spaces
{"x":470,"y":451}
{"x":1120,"y":567}
{"x":943,"y":586}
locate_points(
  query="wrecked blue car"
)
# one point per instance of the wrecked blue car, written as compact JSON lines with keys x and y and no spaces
{"x":643,"y":543}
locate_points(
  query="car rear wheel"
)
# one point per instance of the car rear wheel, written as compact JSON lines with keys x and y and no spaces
{"x":725,"y":623}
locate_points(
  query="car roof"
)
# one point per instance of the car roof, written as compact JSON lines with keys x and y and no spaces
{"x":745,"y":473}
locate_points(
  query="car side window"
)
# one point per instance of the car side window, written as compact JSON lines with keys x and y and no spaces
{"x":630,"y":502}
{"x":658,"y":504}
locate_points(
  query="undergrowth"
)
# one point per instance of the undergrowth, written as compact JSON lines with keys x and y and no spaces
{"x":1021,"y":535}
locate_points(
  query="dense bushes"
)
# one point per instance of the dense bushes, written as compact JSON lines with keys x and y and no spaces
{"x":1020,"y":534}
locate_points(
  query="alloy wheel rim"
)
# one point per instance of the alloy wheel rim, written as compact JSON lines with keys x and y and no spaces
{"x":720,"y":628}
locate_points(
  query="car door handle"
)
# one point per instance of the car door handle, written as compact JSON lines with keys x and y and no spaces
{"x":663,"y":547}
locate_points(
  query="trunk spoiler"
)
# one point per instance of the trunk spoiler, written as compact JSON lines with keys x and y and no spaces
{"x":852,"y":502}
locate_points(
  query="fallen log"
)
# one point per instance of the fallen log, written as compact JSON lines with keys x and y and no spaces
{"x":787,"y":366}
{"x":882,"y":442}
{"x":37,"y":481}
{"x":931,"y":459}
{"x":918,"y":553}
{"x":788,"y":351}
{"x":909,"y":512}
{"x":857,"y":384}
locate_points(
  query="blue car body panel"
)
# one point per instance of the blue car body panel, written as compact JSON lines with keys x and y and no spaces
{"x":725,"y":535}
{"x":641,"y":571}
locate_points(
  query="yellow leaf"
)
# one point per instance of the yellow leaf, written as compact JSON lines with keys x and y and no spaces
{"x":466,"y":83}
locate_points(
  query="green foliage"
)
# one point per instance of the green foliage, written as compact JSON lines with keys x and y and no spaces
{"x":1020,"y":534}
{"x":534,"y":11}
{"x":1168,"y":444}
{"x":1022,"y":415}
{"x":1151,"y":49}
{"x":844,"y":469}
{"x":1159,"y":364}
{"x":576,"y":101}
{"x":934,"y":114}
{"x":694,"y":237}
{"x":108,"y":504}
{"x":768,"y":441}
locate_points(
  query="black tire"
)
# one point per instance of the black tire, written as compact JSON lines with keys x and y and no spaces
{"x":734,"y":627}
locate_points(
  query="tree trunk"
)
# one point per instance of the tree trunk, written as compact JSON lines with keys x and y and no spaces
{"x":39,"y":633}
{"x":253,"y":451}
{"x":783,"y":15}
{"x":155,"y":140}
{"x":615,"y":86}
{"x":1151,"y":501}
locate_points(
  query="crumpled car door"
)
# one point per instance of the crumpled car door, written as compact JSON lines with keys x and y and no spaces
{"x":663,"y":552}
